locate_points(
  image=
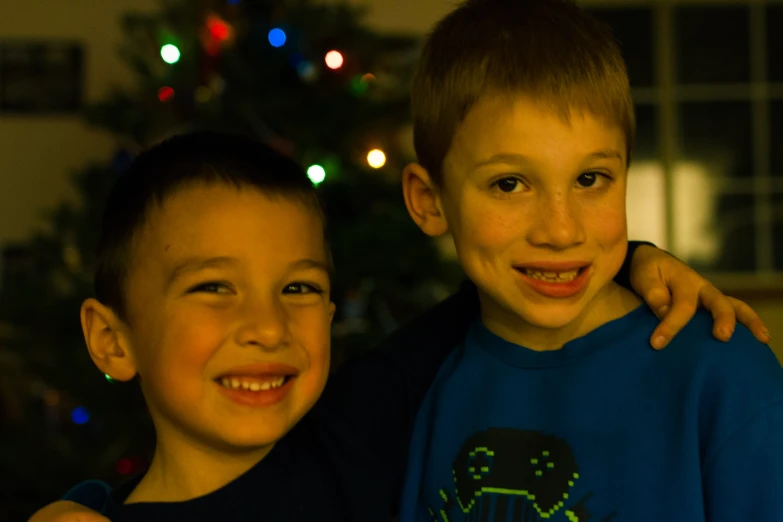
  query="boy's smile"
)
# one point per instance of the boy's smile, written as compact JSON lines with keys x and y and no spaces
{"x":258,"y":385}
{"x":536,"y":206}
{"x":556,"y":279}
{"x":228,"y":316}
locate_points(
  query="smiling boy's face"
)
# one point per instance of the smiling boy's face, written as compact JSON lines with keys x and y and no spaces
{"x":228,"y":314}
{"x":536,"y":207}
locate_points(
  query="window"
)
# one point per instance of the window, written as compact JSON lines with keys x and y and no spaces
{"x":706,"y":181}
{"x":40,"y":77}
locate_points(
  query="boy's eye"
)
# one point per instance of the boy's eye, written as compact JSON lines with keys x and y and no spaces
{"x":508,"y":185}
{"x":211,"y":288}
{"x":588,"y":179}
{"x":302,"y":288}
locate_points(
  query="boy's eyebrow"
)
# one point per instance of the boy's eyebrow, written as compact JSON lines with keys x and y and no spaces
{"x":504,"y":157}
{"x":194,"y":264}
{"x":311,"y":263}
{"x":606,"y":154}
{"x":509,"y":157}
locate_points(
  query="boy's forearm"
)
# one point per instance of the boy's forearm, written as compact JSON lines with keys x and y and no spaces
{"x":623,"y":277}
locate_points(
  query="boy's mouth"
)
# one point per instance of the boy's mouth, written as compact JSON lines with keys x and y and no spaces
{"x":257,"y":385}
{"x":257,"y":377}
{"x":254,"y":384}
{"x":552,"y":276}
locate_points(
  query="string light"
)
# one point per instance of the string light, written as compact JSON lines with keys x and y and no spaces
{"x":219,"y":29}
{"x":124,"y":466}
{"x":306,"y":71}
{"x":202,"y":94}
{"x":165,"y":93}
{"x":358,"y":85}
{"x":277,"y":37}
{"x":334,"y":59}
{"x":376,"y":158}
{"x":51,"y":398}
{"x":316,"y":173}
{"x":170,"y":53}
{"x":80,"y":415}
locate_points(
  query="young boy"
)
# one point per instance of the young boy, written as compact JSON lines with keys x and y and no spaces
{"x":524,"y":127}
{"x":213,"y":287}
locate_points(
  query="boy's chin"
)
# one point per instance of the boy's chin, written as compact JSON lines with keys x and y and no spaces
{"x":250,"y":441}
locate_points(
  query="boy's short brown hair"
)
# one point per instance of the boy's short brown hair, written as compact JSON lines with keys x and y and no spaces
{"x":550,"y":50}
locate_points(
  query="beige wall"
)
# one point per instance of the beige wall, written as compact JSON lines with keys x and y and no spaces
{"x":38,"y":153}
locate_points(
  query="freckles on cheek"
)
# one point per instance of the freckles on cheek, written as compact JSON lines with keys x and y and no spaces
{"x":490,"y":230}
{"x":610,"y":226}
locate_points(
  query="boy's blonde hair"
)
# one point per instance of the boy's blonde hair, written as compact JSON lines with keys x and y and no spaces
{"x":549,"y":50}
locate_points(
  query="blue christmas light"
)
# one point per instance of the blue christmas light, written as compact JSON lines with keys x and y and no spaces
{"x":233,"y":2}
{"x":80,"y":415}
{"x":277,"y":37}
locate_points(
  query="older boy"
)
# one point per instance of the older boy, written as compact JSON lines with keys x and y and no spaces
{"x":524,"y":127}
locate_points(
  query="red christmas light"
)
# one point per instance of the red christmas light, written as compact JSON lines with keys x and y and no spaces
{"x":219,"y":30}
{"x":124,"y":466}
{"x":165,"y":93}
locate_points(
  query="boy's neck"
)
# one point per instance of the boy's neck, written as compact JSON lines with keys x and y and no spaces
{"x":183,"y":470}
{"x":611,"y":303}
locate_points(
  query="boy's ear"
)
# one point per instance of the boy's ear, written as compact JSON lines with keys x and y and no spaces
{"x":422,"y":197}
{"x":332,"y":310}
{"x":106,"y":342}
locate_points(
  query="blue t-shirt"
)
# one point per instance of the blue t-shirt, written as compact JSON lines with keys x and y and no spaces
{"x":603,"y":429}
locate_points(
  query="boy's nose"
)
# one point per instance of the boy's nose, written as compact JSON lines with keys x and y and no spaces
{"x":263,"y":326}
{"x":558,"y":223}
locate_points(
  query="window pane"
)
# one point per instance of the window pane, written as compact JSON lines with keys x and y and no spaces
{"x":776,"y":137}
{"x":646,"y":193}
{"x":777,"y":228}
{"x":735,"y":224}
{"x":775,"y":42}
{"x":717,"y":135}
{"x":713,"y":230}
{"x":713,"y":44}
{"x":632,"y":27}
{"x":646,"y":146}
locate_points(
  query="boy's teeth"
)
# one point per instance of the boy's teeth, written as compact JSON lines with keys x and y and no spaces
{"x":552,"y":277}
{"x":251,"y":383}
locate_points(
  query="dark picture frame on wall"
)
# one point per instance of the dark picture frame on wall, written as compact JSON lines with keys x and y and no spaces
{"x":41,"y":77}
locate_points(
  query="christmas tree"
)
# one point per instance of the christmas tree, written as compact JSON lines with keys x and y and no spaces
{"x":309,"y":79}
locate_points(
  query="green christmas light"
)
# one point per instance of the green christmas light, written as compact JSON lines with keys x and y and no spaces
{"x":316,"y":173}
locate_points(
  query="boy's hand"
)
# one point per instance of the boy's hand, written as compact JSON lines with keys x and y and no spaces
{"x":67,"y":511}
{"x":674,"y":291}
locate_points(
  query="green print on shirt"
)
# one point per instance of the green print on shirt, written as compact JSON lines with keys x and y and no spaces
{"x":525,"y":474}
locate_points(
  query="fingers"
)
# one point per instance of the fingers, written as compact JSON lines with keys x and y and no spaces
{"x":683,"y":308}
{"x":722,"y":310}
{"x":658,"y":299}
{"x":751,"y":320}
